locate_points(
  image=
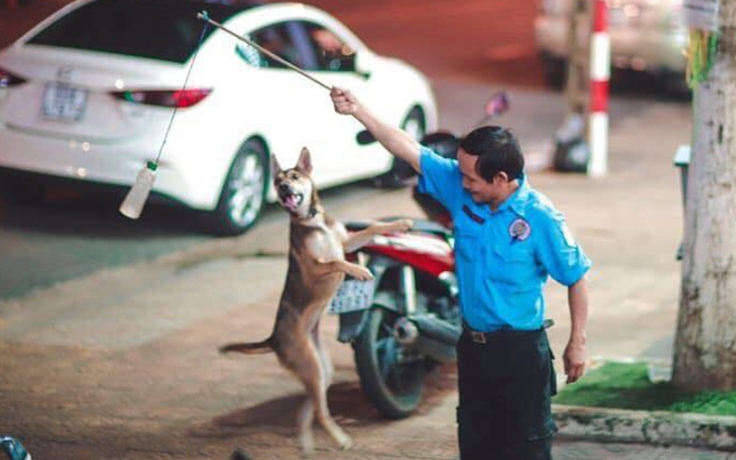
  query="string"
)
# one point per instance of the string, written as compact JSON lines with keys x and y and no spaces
{"x":183,"y":89}
{"x":205,"y":17}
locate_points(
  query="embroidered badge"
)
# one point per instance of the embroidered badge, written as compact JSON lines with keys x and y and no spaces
{"x":478,"y":219}
{"x":519,"y":230}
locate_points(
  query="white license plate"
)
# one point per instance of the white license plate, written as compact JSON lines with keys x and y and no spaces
{"x":352,"y":295}
{"x":63,"y":102}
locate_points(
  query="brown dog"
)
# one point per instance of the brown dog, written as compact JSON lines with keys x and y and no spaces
{"x":317,"y":267}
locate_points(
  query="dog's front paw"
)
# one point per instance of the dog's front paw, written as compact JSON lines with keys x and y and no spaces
{"x":402,"y":225}
{"x":360,"y":273}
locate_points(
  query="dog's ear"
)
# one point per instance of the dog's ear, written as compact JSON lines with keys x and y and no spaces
{"x":275,"y":166}
{"x":305,"y":161}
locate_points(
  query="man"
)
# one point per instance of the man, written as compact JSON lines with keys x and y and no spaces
{"x":508,"y":240}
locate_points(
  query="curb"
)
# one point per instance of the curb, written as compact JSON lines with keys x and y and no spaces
{"x":658,"y":428}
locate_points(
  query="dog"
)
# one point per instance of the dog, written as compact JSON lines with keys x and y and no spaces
{"x":316,"y":268}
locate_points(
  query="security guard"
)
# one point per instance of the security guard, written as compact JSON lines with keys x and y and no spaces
{"x":508,"y":240}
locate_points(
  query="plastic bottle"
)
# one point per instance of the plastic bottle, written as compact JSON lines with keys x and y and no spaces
{"x":13,"y":448}
{"x":132,"y":205}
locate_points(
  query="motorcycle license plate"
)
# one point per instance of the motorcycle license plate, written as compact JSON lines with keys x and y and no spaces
{"x":352,"y":295}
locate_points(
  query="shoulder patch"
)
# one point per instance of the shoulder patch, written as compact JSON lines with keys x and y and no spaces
{"x":519,"y":230}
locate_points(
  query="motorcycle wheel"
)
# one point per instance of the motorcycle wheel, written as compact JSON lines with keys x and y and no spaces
{"x":394,"y":386}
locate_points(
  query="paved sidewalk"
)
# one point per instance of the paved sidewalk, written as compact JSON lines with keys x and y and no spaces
{"x":122,"y":364}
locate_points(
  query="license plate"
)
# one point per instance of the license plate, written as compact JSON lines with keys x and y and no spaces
{"x":63,"y":102}
{"x":352,"y":295}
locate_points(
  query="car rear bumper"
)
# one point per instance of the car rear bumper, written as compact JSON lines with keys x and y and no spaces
{"x":114,"y":164}
{"x":654,"y":51}
{"x":18,"y":182}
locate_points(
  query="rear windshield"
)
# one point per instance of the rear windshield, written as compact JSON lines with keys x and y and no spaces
{"x":166,"y":30}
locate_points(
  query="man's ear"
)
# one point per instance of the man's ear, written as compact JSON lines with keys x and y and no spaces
{"x":305,"y":161}
{"x":275,"y":166}
{"x":502,"y":176}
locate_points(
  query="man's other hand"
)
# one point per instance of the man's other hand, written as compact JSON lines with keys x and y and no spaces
{"x":574,"y":359}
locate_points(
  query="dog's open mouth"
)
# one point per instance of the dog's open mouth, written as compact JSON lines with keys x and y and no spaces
{"x":291,"y":200}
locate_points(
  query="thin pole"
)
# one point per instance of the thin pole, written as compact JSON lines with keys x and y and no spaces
{"x":600,"y":71}
{"x":205,"y":17}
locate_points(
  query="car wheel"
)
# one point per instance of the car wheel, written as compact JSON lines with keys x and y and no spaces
{"x":416,"y":126}
{"x":244,"y":191}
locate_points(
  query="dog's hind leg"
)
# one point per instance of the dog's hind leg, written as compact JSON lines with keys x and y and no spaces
{"x":310,"y":371}
{"x":304,"y":420}
{"x":328,"y":370}
{"x":318,"y":393}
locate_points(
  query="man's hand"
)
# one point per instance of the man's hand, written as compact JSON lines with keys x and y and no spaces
{"x":574,"y":359}
{"x":344,"y":101}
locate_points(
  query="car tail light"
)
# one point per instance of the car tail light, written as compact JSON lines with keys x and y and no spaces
{"x":178,"y":98}
{"x":9,"y":79}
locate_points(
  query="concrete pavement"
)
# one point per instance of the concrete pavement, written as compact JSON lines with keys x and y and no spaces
{"x":122,"y":363}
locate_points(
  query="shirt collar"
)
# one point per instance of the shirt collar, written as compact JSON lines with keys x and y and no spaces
{"x":518,"y":200}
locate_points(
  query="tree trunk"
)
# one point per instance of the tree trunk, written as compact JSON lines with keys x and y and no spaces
{"x":705,"y":344}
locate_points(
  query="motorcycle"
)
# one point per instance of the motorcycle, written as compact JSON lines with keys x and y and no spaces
{"x":407,"y":320}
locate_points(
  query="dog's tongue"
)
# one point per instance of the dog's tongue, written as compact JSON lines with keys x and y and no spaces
{"x":291,"y":202}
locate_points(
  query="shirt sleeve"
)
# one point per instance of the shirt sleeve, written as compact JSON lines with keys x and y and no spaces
{"x":559,"y":253}
{"x":439,"y":178}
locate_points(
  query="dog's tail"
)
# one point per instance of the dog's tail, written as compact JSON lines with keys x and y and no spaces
{"x":254,"y":348}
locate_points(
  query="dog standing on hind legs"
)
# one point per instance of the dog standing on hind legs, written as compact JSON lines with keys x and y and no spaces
{"x":317,"y":267}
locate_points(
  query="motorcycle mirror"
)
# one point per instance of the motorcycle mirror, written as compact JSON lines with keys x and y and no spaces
{"x":497,"y":104}
{"x":364,"y":138}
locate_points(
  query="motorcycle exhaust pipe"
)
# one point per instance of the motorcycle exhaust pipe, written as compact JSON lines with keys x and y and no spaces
{"x":430,"y":336}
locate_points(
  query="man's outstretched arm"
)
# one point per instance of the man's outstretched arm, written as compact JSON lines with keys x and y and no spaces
{"x":397,"y":142}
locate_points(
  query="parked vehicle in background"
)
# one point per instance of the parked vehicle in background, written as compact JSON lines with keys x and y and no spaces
{"x":88,"y":93}
{"x":646,"y":35}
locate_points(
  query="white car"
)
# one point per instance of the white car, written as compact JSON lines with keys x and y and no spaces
{"x":646,"y":35}
{"x":88,"y":95}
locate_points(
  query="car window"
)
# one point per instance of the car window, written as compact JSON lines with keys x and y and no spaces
{"x":333,"y":54}
{"x":288,"y":40}
{"x":163,"y":29}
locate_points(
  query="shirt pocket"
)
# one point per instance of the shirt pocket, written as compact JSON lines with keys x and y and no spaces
{"x":517,"y":263}
{"x":467,"y":240}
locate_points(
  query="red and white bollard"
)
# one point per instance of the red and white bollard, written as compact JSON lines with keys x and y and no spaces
{"x":600,"y":73}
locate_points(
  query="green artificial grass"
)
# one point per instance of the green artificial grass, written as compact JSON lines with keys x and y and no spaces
{"x":626,"y":386}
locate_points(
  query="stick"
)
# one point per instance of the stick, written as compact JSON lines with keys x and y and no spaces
{"x":205,"y":17}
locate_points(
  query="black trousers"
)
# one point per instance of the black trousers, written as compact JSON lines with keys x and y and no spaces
{"x":505,"y":386}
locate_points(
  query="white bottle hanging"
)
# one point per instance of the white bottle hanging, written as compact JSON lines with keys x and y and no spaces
{"x":132,"y":205}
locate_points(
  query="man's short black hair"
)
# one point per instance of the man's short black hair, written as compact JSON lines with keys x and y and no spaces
{"x":497,"y":151}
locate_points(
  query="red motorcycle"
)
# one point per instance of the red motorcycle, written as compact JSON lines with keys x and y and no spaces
{"x":407,"y":320}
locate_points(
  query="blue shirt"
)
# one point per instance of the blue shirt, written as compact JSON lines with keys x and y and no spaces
{"x":504,"y":257}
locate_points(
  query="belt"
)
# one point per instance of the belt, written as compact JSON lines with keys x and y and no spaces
{"x":505,"y":332}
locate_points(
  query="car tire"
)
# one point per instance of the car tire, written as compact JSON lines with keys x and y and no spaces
{"x":243,"y":194}
{"x":416,"y":125}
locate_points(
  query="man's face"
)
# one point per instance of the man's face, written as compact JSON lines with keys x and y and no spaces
{"x":480,"y":189}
